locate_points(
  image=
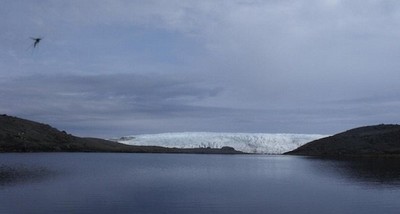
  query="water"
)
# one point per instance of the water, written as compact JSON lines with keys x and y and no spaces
{"x":171,"y":183}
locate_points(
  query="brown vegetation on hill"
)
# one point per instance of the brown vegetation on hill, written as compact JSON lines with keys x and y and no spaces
{"x":378,"y":140}
{"x":20,"y":135}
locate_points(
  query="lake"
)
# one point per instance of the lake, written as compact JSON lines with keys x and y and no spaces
{"x":180,"y":183}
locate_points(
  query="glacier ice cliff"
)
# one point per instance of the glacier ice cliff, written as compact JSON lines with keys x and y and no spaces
{"x":246,"y":142}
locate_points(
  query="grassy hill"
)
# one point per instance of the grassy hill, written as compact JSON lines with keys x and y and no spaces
{"x":378,"y":140}
{"x":20,"y":135}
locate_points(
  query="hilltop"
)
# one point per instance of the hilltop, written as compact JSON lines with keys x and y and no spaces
{"x":377,"y":140}
{"x":21,"y":135}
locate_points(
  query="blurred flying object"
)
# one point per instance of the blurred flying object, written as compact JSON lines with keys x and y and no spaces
{"x":37,"y":40}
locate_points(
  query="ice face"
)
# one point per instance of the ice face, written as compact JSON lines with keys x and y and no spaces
{"x":245,"y":142}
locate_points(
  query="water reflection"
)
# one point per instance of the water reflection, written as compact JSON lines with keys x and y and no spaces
{"x":366,"y":171}
{"x":19,"y":174}
{"x":169,"y":183}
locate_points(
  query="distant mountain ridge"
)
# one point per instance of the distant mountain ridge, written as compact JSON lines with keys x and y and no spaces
{"x":377,"y":140}
{"x":20,"y":135}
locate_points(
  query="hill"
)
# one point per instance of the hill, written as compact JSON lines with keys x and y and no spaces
{"x":378,"y":140}
{"x":20,"y":135}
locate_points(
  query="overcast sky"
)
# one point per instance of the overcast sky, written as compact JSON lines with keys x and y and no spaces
{"x":109,"y":68}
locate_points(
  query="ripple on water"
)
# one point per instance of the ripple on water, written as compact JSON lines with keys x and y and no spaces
{"x":18,"y":174}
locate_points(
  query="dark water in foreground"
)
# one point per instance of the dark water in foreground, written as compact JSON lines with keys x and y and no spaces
{"x":169,"y":183}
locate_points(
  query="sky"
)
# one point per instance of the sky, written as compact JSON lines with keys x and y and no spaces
{"x":110,"y":68}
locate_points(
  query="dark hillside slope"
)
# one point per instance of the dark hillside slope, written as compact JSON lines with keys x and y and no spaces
{"x":20,"y":135}
{"x":378,"y":140}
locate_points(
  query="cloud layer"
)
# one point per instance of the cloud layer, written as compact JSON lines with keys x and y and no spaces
{"x":111,"y":68}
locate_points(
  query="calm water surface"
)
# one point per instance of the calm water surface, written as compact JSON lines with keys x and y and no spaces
{"x":171,"y":183}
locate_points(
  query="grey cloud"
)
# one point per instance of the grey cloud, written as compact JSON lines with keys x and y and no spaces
{"x":127,"y":88}
{"x":114,"y":99}
{"x":152,"y":66}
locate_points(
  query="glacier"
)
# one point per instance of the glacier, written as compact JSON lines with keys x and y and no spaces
{"x":259,"y":143}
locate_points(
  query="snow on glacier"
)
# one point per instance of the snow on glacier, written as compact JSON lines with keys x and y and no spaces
{"x":245,"y":142}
